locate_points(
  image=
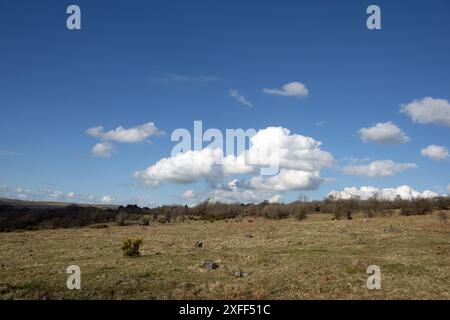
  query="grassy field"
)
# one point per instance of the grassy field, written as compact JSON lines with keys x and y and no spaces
{"x":285,"y":259}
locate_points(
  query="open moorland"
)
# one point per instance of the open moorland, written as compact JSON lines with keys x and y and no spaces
{"x":311,"y":256}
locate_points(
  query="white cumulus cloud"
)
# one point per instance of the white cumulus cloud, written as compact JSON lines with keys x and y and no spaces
{"x":379,"y":168}
{"x":293,"y":89}
{"x":365,"y":192}
{"x":435,"y":152}
{"x":103,"y":149}
{"x":383,"y":133}
{"x":136,"y":134}
{"x":428,"y":110}
{"x":286,"y":180}
{"x":183,"y":168}
{"x":299,"y":159}
{"x":231,"y":192}
{"x":131,"y":135}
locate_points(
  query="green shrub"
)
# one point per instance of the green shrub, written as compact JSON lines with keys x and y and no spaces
{"x":99,"y":226}
{"x":130,"y":247}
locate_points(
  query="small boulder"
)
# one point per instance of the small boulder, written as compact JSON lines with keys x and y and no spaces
{"x":210,"y":265}
{"x":240,"y":274}
{"x":199,"y":244}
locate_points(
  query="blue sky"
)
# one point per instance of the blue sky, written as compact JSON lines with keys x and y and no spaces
{"x":173,"y":62}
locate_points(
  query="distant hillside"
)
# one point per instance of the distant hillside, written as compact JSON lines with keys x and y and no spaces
{"x":50,"y":204}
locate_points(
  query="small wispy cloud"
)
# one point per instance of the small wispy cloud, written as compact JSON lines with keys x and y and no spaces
{"x":320,"y":123}
{"x":293,"y":89}
{"x":46,"y":194}
{"x":236,"y":95}
{"x":175,"y":78}
{"x":9,"y":153}
{"x":189,"y":195}
{"x":379,"y":168}
{"x":50,"y":194}
{"x":107,"y":199}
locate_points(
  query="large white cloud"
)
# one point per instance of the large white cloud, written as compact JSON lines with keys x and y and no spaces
{"x":428,"y":110}
{"x":183,"y":168}
{"x":236,"y":195}
{"x":286,"y":180}
{"x":258,"y":189}
{"x":379,"y":168}
{"x":435,"y":152}
{"x":299,"y":159}
{"x":231,"y":192}
{"x":292,"y":151}
{"x":383,"y":133}
{"x":293,"y":89}
{"x":365,"y":192}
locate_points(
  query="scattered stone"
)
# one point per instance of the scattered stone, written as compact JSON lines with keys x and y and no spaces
{"x":5,"y":288}
{"x":240,"y":274}
{"x":199,"y":244}
{"x":127,"y":282}
{"x":210,"y":265}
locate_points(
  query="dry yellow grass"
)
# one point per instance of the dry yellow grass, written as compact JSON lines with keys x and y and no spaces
{"x":313,"y":259}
